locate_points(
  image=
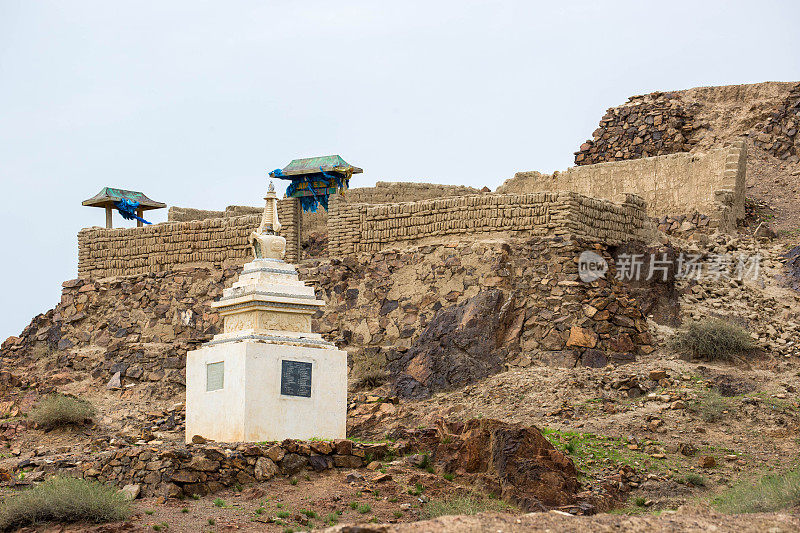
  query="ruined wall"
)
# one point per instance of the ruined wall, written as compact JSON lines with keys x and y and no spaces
{"x":186,"y":214}
{"x":646,"y":125}
{"x":383,"y":192}
{"x":387,"y":192}
{"x":698,"y":119}
{"x":712,"y":183}
{"x":779,"y":136}
{"x":379,"y":304}
{"x":215,"y":242}
{"x":359,"y":227}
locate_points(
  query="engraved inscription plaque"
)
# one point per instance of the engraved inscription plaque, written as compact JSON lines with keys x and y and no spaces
{"x":215,"y":376}
{"x":296,"y":378}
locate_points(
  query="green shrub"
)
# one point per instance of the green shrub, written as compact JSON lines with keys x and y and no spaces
{"x":60,"y":410}
{"x":770,"y":493}
{"x":64,"y":500}
{"x":713,"y":339}
{"x":461,"y":505}
{"x":696,"y":479}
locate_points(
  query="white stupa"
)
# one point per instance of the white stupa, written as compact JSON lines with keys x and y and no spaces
{"x":266,"y":376}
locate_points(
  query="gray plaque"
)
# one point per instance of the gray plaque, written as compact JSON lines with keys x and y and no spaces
{"x":215,"y":376}
{"x":296,"y":378}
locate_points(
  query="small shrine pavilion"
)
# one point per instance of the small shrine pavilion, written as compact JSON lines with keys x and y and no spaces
{"x":130,"y":204}
{"x":313,"y":179}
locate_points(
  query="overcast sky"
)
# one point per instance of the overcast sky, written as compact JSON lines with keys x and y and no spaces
{"x":193,"y":102}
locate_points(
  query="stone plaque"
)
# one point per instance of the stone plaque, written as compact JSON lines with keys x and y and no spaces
{"x":296,"y":378}
{"x":215,"y":376}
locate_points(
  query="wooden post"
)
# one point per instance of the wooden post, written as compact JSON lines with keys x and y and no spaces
{"x":139,"y":213}
{"x":109,"y":223}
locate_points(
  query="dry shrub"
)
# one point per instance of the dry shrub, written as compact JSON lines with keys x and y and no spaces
{"x":63,"y":500}
{"x":60,"y":410}
{"x":713,"y":339}
{"x":370,"y":380}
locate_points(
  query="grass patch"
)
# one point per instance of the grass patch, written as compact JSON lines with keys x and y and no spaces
{"x":416,"y":490}
{"x":64,"y":500}
{"x":695,"y":479}
{"x":592,"y":453}
{"x":61,"y":410}
{"x":713,"y":339}
{"x":770,"y":493}
{"x":461,"y":505}
{"x":711,"y":407}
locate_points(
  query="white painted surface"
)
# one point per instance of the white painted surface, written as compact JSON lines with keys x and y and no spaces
{"x":250,"y":407}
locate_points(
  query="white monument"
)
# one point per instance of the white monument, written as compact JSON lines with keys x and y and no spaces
{"x":267,"y":376}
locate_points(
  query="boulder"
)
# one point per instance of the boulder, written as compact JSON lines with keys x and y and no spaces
{"x":131,"y":492}
{"x":514,"y":458}
{"x":115,"y":382}
{"x":462,"y":344}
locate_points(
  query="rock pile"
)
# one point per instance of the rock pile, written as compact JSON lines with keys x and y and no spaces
{"x":646,"y":125}
{"x":792,"y":259}
{"x":140,"y":326}
{"x":779,"y":136}
{"x":769,"y":319}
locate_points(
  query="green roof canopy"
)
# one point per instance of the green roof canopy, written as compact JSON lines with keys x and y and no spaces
{"x":311,"y":165}
{"x":108,"y":195}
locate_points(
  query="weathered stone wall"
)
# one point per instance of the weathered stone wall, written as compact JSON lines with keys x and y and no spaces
{"x":378,"y":304}
{"x":177,"y":471}
{"x":779,"y":136}
{"x":711,"y":183}
{"x":360,"y":227}
{"x":646,"y":125}
{"x":698,"y":119}
{"x":216,"y":242}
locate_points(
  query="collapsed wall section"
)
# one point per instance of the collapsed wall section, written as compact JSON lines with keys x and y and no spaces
{"x":711,"y":183}
{"x":360,"y":227}
{"x":212,"y":242}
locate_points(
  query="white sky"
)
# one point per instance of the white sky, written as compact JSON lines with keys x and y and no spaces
{"x":192,"y":102}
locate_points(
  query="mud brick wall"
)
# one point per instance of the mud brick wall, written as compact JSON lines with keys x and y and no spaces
{"x":386,"y":192}
{"x":215,"y":242}
{"x":360,"y":227}
{"x":711,"y":183}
